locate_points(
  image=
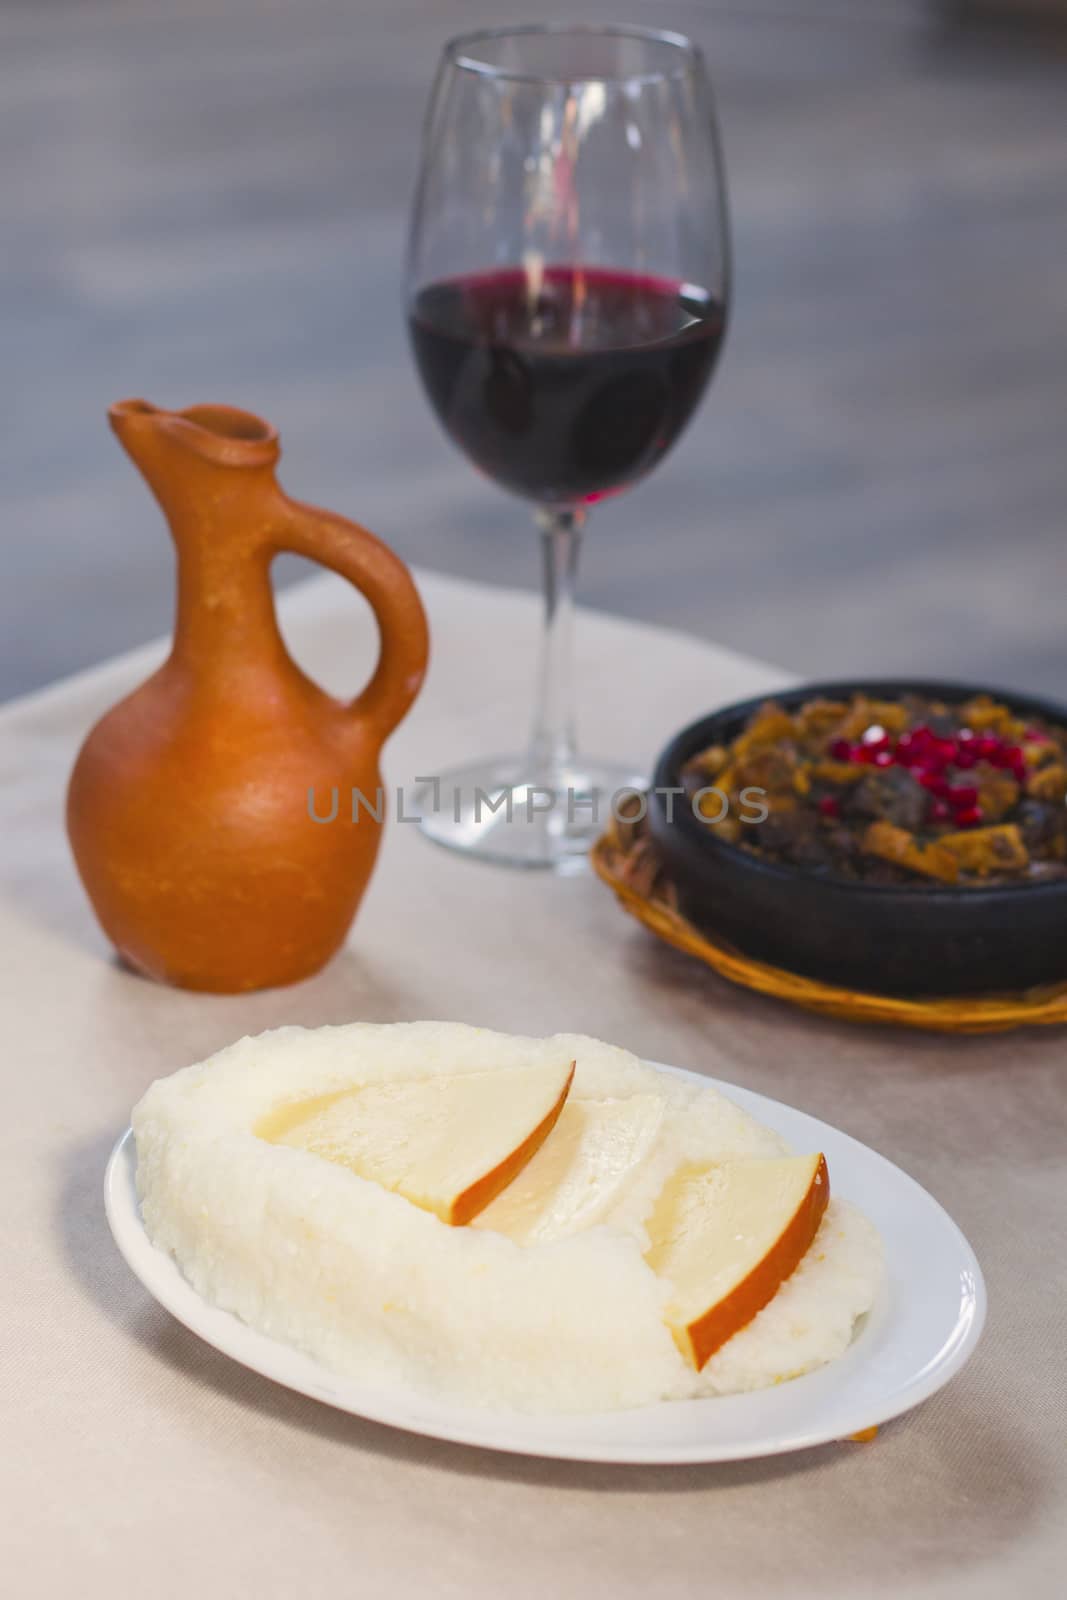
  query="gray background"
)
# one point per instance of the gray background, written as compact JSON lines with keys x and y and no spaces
{"x":207,"y":201}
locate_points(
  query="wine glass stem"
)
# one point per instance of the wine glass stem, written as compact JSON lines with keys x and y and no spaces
{"x":552,"y":741}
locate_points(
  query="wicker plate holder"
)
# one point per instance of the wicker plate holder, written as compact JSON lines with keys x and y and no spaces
{"x":625,"y":858}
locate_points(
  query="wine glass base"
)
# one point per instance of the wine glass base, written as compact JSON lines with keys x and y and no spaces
{"x":495,"y":810}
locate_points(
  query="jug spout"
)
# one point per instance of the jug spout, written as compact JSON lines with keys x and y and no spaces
{"x":168,"y":446}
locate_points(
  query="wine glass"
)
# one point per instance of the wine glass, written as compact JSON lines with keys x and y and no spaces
{"x":567,"y":285}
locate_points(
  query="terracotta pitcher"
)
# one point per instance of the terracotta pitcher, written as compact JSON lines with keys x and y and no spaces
{"x":188,"y":808}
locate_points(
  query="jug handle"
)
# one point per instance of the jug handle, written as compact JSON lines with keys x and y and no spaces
{"x":385,"y":582}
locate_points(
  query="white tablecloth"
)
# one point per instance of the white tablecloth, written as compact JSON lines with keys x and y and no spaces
{"x":135,"y":1457}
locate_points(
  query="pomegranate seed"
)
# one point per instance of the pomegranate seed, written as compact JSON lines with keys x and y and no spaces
{"x":936,"y":753}
{"x":965,"y":736}
{"x":1009,"y":756}
{"x":875,"y":737}
{"x":933,"y":783}
{"x":964,"y":799}
{"x":882,"y":758}
{"x":940,"y":811}
{"x":970,"y":818}
{"x":840,"y":750}
{"x":986,"y":747}
{"x":830,"y":805}
{"x":965,"y":758}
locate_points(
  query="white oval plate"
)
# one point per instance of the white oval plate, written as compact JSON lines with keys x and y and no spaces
{"x":916,"y":1337}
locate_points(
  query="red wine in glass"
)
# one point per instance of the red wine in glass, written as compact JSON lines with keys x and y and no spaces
{"x":564,"y":384}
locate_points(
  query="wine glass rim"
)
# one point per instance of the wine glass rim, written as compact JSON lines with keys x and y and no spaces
{"x":459,"y":52}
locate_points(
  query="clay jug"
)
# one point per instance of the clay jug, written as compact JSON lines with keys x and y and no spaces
{"x":188,"y":809}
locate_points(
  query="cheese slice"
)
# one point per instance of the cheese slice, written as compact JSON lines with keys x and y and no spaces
{"x":726,"y":1237}
{"x":579,"y":1172}
{"x":448,"y":1144}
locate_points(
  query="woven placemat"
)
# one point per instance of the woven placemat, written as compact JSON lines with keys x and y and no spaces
{"x":625,"y":858}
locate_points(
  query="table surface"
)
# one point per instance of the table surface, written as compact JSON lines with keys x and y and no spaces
{"x":131,"y":1449}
